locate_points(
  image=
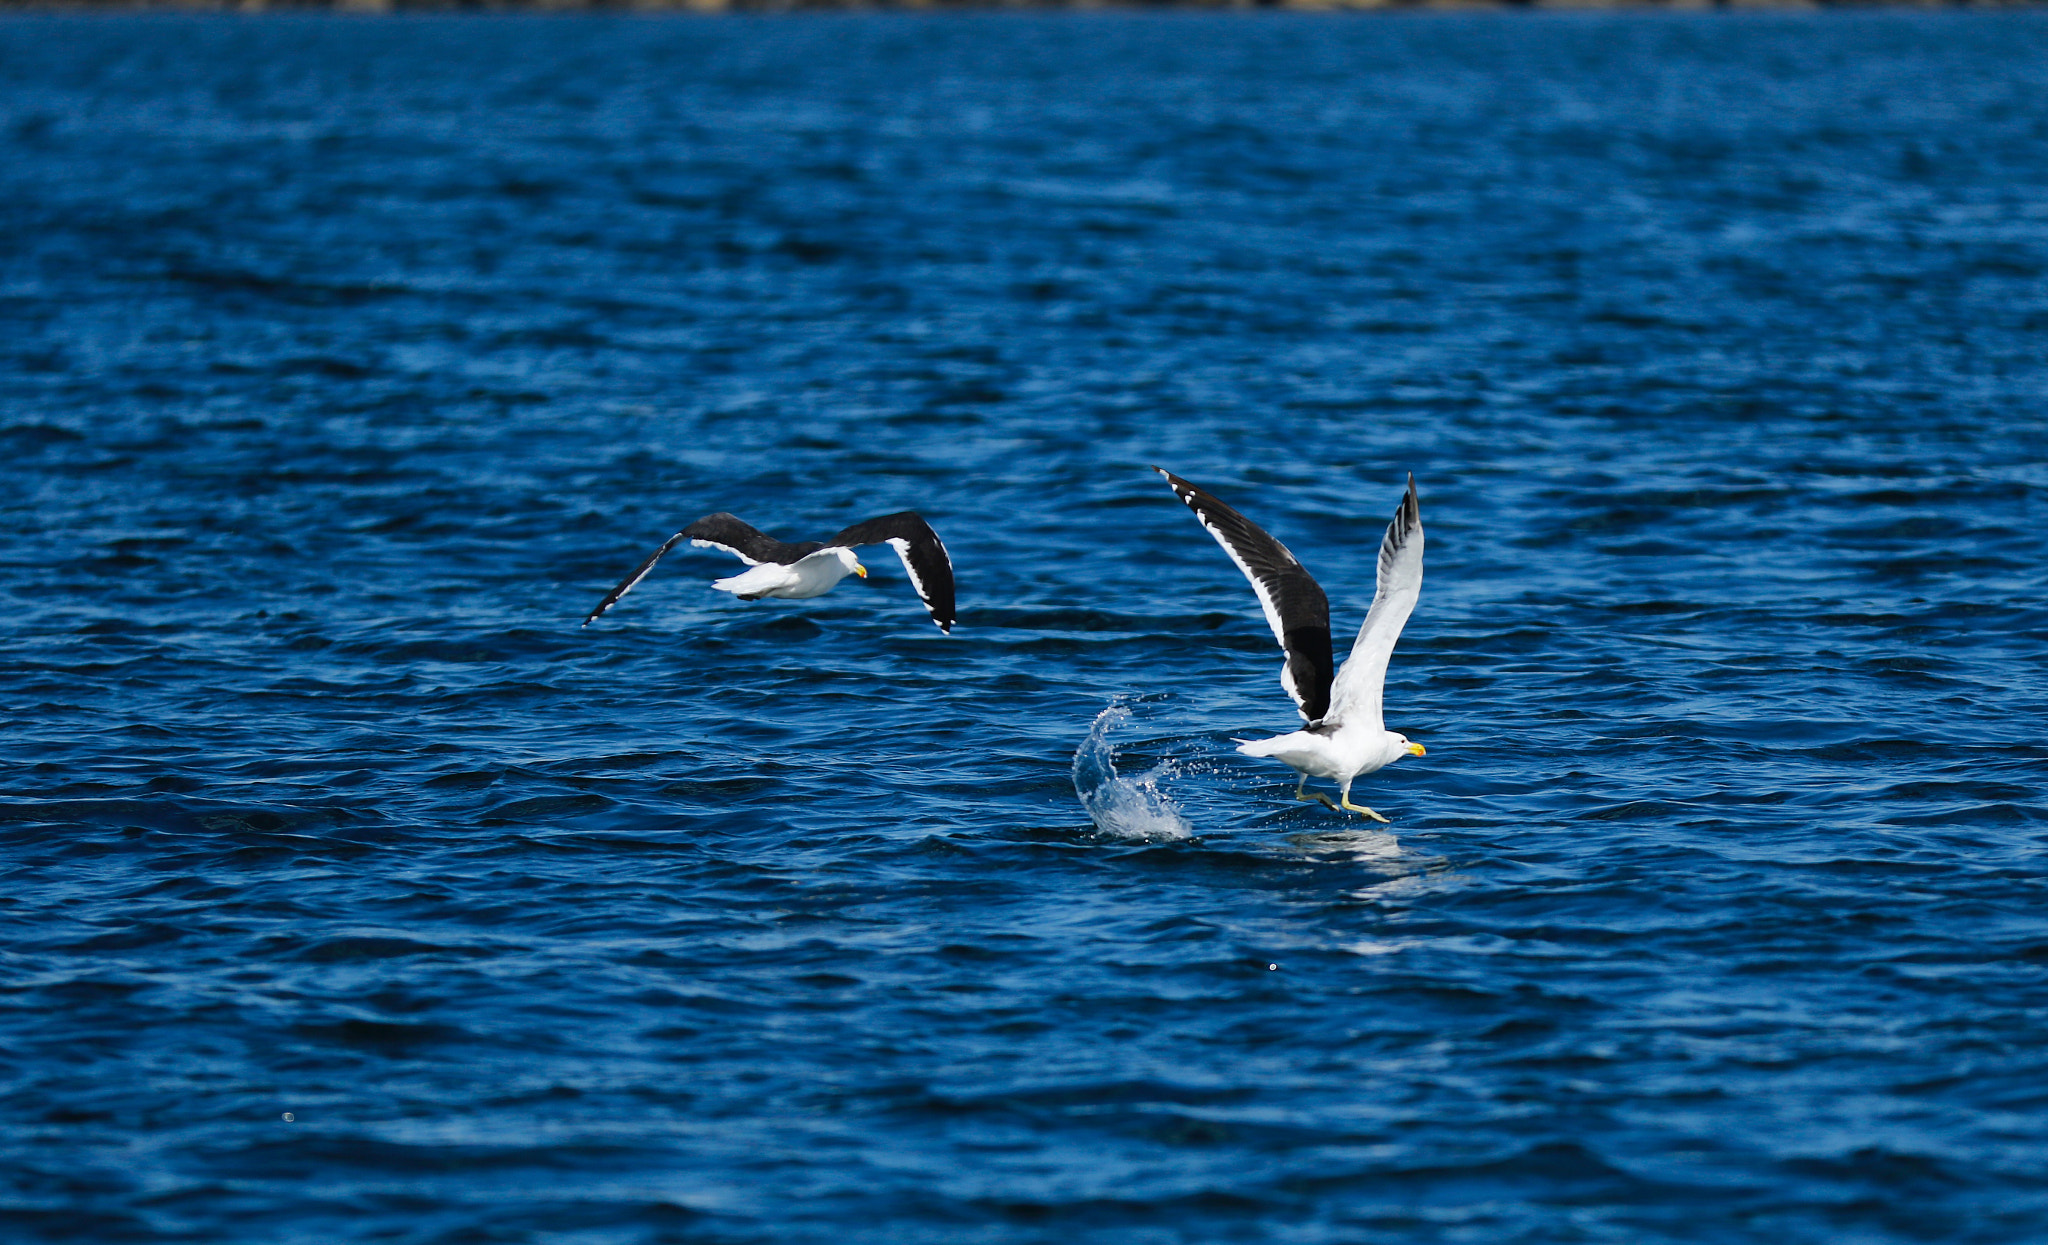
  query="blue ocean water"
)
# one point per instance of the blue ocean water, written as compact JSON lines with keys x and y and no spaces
{"x":352,"y":892}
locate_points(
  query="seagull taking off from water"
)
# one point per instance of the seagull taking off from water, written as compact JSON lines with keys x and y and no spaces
{"x":1346,"y":736}
{"x":811,"y":568}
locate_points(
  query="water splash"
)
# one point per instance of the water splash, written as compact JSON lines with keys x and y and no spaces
{"x":1131,"y":807}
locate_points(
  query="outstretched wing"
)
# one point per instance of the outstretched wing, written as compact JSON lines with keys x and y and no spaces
{"x":742,"y":540}
{"x":1295,"y":606}
{"x":1361,"y":684}
{"x":713,"y":531}
{"x":923,"y":554}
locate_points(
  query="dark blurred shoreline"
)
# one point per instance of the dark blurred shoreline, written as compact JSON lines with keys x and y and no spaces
{"x":787,"y":6}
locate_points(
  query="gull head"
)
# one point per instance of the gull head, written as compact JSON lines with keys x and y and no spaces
{"x":1400,"y":745}
{"x":851,"y":563}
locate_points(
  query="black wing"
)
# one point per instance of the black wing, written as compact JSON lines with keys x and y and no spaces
{"x":923,"y":553}
{"x":1295,"y":606}
{"x":713,"y":531}
{"x":743,"y":541}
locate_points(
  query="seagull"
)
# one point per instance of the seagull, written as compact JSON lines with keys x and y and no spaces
{"x":1345,"y":736}
{"x":810,"y":568}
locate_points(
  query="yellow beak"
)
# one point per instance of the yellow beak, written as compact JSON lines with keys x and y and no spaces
{"x":860,"y":570}
{"x":1416,"y":750}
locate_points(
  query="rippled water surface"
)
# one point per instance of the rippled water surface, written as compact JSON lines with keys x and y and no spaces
{"x":353,"y":892}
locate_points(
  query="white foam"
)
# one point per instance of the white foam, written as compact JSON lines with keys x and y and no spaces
{"x":1129,"y":807}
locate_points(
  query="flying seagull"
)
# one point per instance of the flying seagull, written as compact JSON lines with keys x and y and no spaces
{"x":810,"y":568}
{"x":1345,"y":736}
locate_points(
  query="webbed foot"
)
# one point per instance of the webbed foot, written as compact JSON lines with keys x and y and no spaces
{"x":1301,"y":793}
{"x":1360,"y":808}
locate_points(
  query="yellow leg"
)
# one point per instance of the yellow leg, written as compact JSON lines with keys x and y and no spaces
{"x":1317,"y":798}
{"x":1360,"y":808}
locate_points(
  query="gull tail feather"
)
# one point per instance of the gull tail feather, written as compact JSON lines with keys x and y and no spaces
{"x":1267,"y":747}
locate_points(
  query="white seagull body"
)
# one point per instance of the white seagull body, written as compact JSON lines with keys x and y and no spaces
{"x":1346,"y":735}
{"x":810,"y":568}
{"x":812,"y":575}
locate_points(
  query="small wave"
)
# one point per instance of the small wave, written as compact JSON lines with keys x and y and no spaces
{"x":1131,"y":807}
